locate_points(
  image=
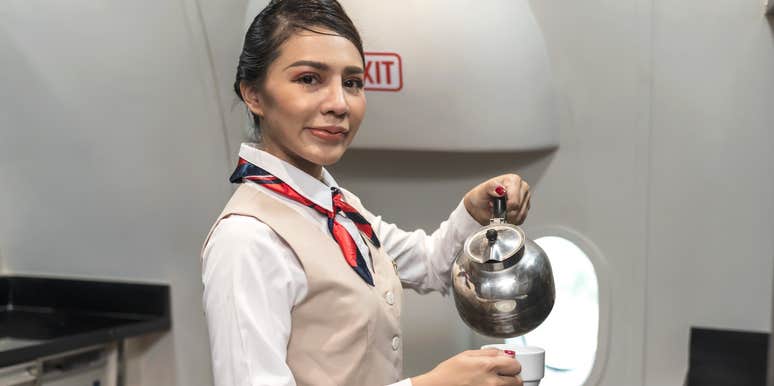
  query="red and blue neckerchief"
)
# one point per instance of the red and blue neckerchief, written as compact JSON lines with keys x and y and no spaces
{"x":247,"y":171}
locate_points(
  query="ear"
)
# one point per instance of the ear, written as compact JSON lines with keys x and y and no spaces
{"x":251,"y":98}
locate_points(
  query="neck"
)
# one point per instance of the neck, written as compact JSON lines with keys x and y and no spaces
{"x":302,"y":164}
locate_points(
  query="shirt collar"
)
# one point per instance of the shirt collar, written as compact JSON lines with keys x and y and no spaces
{"x":317,"y":191}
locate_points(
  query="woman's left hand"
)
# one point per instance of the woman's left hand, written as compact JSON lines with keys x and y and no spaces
{"x":478,"y":201}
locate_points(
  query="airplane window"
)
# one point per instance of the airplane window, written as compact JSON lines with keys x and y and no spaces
{"x":569,"y":334}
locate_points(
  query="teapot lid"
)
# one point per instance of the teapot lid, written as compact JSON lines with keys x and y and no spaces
{"x":495,"y":243}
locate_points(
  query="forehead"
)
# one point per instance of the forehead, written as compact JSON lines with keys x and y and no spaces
{"x":326,"y":47}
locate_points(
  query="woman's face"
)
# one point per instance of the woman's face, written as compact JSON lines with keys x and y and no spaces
{"x":312,"y":101}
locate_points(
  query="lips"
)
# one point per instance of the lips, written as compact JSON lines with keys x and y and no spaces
{"x":329,"y":133}
{"x":330,"y":129}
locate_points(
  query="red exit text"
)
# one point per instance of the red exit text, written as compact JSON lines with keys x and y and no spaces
{"x":383,"y":71}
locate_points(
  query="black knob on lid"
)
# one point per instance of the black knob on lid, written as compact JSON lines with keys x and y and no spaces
{"x":491,"y":235}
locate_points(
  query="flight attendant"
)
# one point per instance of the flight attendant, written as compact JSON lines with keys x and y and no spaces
{"x":302,"y":284}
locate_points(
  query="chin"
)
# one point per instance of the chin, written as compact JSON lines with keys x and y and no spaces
{"x":326,"y":157}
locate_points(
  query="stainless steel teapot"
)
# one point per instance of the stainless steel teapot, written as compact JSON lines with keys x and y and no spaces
{"x":502,"y":282}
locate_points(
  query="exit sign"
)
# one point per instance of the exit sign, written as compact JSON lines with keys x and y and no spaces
{"x":383,"y":71}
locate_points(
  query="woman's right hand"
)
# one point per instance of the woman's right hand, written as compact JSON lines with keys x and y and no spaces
{"x":488,"y":367}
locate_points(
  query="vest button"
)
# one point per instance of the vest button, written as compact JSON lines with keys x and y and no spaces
{"x":395,"y":343}
{"x":389,"y":297}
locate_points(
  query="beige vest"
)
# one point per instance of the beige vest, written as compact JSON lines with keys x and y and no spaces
{"x":344,"y":332}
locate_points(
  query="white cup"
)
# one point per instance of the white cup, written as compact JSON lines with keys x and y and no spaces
{"x":532,"y":359}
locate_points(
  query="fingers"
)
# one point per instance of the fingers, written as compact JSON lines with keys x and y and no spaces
{"x":487,"y":366}
{"x":517,"y":192}
{"x":487,"y":352}
{"x":496,"y":187}
{"x":506,"y":366}
{"x":522,"y":214}
{"x":510,"y":381}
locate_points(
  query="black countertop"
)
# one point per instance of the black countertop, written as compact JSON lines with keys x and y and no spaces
{"x":46,"y":316}
{"x":727,"y":357}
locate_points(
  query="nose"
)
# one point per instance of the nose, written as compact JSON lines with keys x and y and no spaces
{"x":335,"y":100}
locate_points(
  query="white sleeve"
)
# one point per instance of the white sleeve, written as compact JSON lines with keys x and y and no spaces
{"x":424,"y":262}
{"x":405,"y":382}
{"x":250,"y":286}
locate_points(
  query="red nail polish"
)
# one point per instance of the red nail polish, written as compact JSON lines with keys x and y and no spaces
{"x":500,"y":190}
{"x":509,"y":352}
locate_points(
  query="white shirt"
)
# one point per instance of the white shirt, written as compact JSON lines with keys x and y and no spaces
{"x":252,"y":279}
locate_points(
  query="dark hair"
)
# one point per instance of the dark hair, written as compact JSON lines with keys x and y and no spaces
{"x":276,"y":23}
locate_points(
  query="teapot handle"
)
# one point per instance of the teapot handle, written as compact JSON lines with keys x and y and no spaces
{"x":499,"y":207}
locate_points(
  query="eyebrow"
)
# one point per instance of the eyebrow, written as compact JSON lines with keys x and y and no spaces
{"x":349,"y":70}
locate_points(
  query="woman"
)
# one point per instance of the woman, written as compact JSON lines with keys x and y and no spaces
{"x":302,"y":285}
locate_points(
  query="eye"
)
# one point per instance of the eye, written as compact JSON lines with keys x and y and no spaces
{"x":308,"y":79}
{"x":353,"y":83}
